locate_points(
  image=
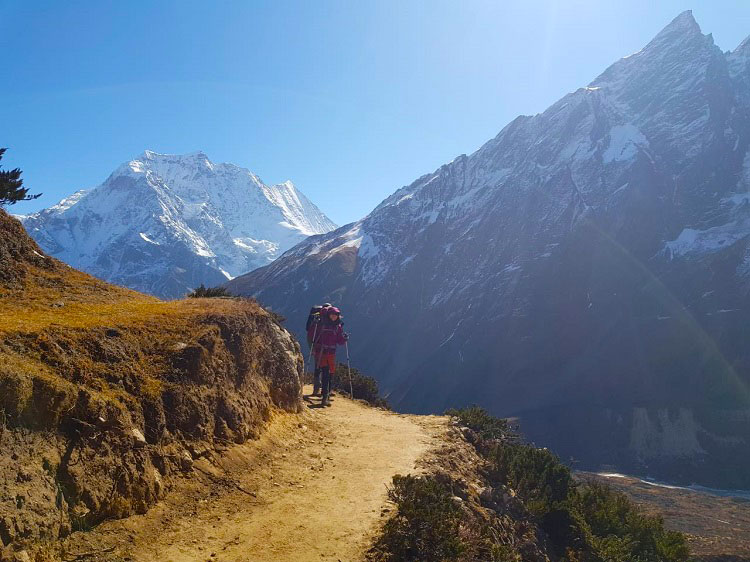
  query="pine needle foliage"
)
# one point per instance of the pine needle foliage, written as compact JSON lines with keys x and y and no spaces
{"x":204,"y":292}
{"x":11,"y":186}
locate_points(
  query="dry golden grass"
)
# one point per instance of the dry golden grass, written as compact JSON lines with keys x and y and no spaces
{"x":38,"y":293}
{"x":76,"y":300}
{"x":83,"y":364}
{"x":52,"y":333}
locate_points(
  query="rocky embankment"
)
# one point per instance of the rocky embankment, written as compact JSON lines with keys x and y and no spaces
{"x":107,"y":395}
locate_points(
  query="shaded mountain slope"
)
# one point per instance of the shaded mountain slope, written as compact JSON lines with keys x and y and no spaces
{"x":585,"y":270}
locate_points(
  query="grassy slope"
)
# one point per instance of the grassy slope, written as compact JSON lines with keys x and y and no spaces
{"x":85,"y":366}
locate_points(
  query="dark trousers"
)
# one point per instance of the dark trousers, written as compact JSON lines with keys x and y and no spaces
{"x":326,"y":380}
{"x":316,"y":371}
{"x":316,"y":380}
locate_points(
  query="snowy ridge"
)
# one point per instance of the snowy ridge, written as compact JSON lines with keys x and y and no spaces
{"x":571,"y":269}
{"x":655,"y":100}
{"x":164,"y":223}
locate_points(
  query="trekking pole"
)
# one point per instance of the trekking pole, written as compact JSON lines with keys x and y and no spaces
{"x":312,"y":346}
{"x":349,"y":367}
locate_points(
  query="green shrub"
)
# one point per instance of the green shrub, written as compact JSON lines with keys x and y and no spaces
{"x":427,"y":523}
{"x":431,"y":524}
{"x":622,"y":532}
{"x":587,"y":521}
{"x":537,"y":475}
{"x":364,"y":387}
{"x":479,"y":420}
{"x":583,"y":522}
{"x":545,"y":485}
{"x":204,"y":292}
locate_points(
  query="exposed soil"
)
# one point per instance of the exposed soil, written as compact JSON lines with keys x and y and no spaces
{"x":107,"y":396}
{"x":313,"y":487}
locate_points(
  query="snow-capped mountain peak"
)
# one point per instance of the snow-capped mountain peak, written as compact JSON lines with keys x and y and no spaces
{"x":587,"y":269}
{"x":164,"y":223}
{"x":683,"y":25}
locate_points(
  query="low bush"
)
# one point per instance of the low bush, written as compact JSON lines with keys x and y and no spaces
{"x":536,"y":475}
{"x":488,"y":427}
{"x":204,"y":292}
{"x":583,"y":521}
{"x":620,"y":531}
{"x":546,"y":487}
{"x":426,"y":526}
{"x":432,"y":524}
{"x":364,"y":387}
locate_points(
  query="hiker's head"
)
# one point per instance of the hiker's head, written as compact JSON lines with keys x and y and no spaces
{"x":334,"y":314}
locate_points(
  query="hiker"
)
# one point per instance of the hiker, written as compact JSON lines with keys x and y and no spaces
{"x":312,"y":326}
{"x":330,"y":333}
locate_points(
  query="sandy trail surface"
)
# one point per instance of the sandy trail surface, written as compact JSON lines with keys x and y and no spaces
{"x":313,"y":487}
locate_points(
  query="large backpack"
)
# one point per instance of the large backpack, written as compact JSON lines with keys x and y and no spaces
{"x":313,"y":316}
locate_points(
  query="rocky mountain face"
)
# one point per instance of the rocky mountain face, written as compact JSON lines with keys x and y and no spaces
{"x":164,"y":224}
{"x":586,"y":270}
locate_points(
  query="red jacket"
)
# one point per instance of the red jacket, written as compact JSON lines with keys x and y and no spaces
{"x":328,"y":335}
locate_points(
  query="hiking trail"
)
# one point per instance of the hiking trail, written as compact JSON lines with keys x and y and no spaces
{"x":313,"y":487}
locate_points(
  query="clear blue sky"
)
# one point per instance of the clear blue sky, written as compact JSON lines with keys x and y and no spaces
{"x":350,"y":100}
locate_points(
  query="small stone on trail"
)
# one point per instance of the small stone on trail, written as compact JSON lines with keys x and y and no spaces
{"x":138,"y":438}
{"x":21,"y":556}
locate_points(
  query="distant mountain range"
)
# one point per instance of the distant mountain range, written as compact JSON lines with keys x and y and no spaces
{"x":587,"y":270}
{"x":163,"y":224}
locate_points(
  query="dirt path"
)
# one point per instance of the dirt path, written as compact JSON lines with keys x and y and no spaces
{"x":312,"y":488}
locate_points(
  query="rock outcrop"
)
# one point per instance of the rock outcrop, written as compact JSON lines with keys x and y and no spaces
{"x":107,"y":395}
